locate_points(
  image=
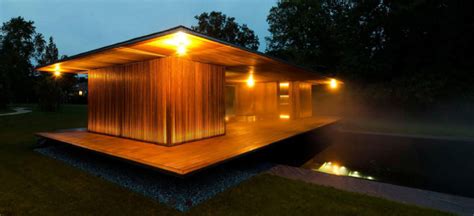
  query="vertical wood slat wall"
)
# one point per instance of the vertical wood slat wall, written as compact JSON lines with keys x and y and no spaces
{"x":300,"y":100}
{"x":244,"y":100}
{"x":259,"y":100}
{"x":264,"y":99}
{"x":197,"y":104}
{"x":167,"y":101}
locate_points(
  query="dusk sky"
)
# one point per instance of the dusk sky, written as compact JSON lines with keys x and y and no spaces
{"x":81,"y":25}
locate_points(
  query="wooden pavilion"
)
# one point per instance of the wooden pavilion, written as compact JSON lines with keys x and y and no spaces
{"x":180,"y":101}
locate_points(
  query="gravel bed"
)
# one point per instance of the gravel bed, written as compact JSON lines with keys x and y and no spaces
{"x":179,"y":193}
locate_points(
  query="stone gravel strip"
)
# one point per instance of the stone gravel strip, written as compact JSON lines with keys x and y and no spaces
{"x":179,"y":193}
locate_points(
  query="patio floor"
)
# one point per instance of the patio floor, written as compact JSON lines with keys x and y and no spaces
{"x":240,"y":138}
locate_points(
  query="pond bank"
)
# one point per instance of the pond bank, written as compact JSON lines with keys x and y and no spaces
{"x":441,"y":165}
{"x":429,"y":199}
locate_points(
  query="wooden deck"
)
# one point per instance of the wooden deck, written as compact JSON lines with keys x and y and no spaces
{"x":240,"y":138}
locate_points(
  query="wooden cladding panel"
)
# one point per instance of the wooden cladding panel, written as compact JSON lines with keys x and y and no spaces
{"x":266,"y":99}
{"x":305,"y":100}
{"x":197,"y":106}
{"x":259,"y":100}
{"x":167,"y":101}
{"x":144,"y":108}
{"x":300,"y":99}
{"x":105,"y":108}
{"x":244,"y":100}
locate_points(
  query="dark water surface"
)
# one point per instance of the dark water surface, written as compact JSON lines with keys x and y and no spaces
{"x":445,"y":166}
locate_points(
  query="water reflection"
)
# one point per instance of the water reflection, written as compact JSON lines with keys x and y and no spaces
{"x":336,"y":169}
{"x":441,"y":165}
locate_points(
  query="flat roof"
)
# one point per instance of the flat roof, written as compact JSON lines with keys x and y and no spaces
{"x":240,"y":138}
{"x":239,"y":61}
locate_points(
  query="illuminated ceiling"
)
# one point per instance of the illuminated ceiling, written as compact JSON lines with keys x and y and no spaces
{"x":185,"y":43}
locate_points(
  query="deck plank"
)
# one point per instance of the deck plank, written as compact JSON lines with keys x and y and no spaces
{"x":240,"y":138}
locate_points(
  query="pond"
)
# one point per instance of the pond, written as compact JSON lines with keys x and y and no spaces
{"x":440,"y":165}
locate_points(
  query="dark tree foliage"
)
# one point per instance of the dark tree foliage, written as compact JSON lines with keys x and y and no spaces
{"x":218,"y":25}
{"x":411,"y":54}
{"x":20,"y":48}
{"x":19,"y":45}
{"x":49,"y":93}
{"x":48,"y":88}
{"x":49,"y":54}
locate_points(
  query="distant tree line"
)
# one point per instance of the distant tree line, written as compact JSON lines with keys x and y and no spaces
{"x":406,"y":54}
{"x":409,"y":55}
{"x":21,"y":49}
{"x":219,"y":25}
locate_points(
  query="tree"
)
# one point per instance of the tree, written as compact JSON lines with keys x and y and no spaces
{"x":218,"y":25}
{"x":311,"y":33}
{"x":20,"y":44}
{"x":49,"y":89}
{"x":67,"y":81}
{"x":50,"y":53}
{"x":49,"y":93}
{"x":404,"y":53}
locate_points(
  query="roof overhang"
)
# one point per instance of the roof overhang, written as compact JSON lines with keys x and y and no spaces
{"x":239,"y":61}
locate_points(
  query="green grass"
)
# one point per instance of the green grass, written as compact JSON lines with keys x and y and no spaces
{"x":32,"y":184}
{"x":7,"y":110}
{"x":409,"y":126}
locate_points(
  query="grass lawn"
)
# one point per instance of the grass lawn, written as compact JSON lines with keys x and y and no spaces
{"x":409,"y":126}
{"x":33,"y":184}
{"x":7,"y":110}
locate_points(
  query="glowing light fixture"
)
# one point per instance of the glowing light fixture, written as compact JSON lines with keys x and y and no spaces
{"x":57,"y":71}
{"x":80,"y":93}
{"x":335,"y":169}
{"x":284,"y":84}
{"x":284,"y":116}
{"x":333,"y":83}
{"x":250,"y":81}
{"x":180,"y":41}
{"x":181,"y":50}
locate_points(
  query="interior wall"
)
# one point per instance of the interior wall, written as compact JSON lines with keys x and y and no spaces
{"x":168,"y":100}
{"x":295,"y":100}
{"x":301,"y":99}
{"x":274,"y":100}
{"x":266,"y":99}
{"x":261,"y":100}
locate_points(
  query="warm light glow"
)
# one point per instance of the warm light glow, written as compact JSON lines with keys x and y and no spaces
{"x":181,"y":50}
{"x":335,"y":169}
{"x":284,"y":96}
{"x":80,"y":93}
{"x":180,"y":41}
{"x":354,"y":174}
{"x":57,"y":70}
{"x":285,"y":84}
{"x":284,"y":116}
{"x":333,"y":83}
{"x":250,"y":81}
